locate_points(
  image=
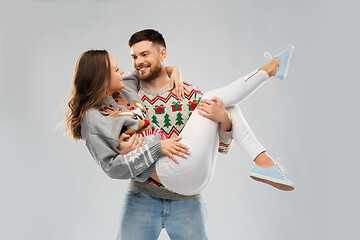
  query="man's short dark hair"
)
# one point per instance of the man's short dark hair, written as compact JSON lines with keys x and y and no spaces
{"x":147,"y":35}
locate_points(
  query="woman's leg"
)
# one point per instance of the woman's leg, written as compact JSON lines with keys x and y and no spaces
{"x":242,"y":88}
{"x":201,"y":136}
{"x":265,"y":170}
{"x":246,"y":139}
{"x":192,"y":173}
{"x":243,"y":135}
{"x":239,"y":90}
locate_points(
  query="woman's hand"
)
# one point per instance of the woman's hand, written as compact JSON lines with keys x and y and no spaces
{"x":214,"y":110}
{"x":176,"y":81}
{"x":129,"y":143}
{"x":172,"y":146}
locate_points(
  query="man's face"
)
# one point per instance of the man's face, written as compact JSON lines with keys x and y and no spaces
{"x":147,"y":59}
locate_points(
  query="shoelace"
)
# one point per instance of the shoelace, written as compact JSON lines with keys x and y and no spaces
{"x":267,"y":55}
{"x":281,"y":168}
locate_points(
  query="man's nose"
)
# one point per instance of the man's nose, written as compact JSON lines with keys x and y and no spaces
{"x":139,"y":60}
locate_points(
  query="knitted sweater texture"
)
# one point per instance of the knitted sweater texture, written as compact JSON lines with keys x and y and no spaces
{"x":170,"y":115}
{"x":101,"y":128}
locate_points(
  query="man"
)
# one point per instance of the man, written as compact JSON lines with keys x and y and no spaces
{"x":148,"y":206}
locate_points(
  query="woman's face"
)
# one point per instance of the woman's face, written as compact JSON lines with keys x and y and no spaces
{"x":116,"y":81}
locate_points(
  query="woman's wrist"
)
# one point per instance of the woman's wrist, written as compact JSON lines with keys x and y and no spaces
{"x":226,"y":123}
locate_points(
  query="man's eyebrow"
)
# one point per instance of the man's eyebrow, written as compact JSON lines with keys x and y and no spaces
{"x":134,"y":55}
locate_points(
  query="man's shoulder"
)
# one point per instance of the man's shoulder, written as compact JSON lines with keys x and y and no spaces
{"x":192,"y":87}
{"x":193,"y":91}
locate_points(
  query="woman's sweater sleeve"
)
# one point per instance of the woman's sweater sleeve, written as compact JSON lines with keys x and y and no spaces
{"x":133,"y":165}
{"x":132,"y":81}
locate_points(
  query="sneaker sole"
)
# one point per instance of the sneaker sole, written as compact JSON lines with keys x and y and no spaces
{"x":282,"y":185}
{"x":288,"y":62}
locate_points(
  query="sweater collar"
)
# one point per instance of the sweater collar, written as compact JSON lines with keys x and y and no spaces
{"x":110,"y":100}
{"x":157,"y":92}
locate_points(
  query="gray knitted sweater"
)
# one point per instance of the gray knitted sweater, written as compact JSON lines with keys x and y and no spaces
{"x":102,"y":126}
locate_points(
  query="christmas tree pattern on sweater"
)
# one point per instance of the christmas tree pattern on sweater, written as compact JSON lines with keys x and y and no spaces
{"x":169,"y":113}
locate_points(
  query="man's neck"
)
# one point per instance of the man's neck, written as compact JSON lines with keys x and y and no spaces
{"x":158,"y":83}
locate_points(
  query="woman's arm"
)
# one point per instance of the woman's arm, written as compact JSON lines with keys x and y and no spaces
{"x":129,"y":143}
{"x":169,"y":147}
{"x":132,"y":81}
{"x":176,"y":81}
{"x":123,"y":166}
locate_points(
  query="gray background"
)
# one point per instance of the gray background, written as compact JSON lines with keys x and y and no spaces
{"x":51,"y":188}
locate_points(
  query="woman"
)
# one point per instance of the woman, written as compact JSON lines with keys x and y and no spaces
{"x":101,"y":108}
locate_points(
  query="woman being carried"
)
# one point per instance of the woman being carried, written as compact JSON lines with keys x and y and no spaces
{"x":101,"y":108}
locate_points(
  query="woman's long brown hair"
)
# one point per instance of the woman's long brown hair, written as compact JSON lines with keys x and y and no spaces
{"x":89,"y":88}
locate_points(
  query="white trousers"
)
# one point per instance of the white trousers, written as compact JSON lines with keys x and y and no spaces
{"x":200,"y":134}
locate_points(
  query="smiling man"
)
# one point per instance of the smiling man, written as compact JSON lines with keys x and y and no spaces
{"x":147,"y":63}
{"x":148,"y":206}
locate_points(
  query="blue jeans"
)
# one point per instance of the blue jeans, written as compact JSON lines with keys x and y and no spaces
{"x":144,"y":216}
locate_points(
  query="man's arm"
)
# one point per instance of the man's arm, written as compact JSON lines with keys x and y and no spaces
{"x":214,"y":110}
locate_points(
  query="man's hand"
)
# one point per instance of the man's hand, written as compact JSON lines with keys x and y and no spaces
{"x":176,"y":81}
{"x":214,"y":110}
{"x":128,"y":144}
{"x":172,"y":146}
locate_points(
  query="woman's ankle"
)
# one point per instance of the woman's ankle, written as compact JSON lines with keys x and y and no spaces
{"x":263,"y":160}
{"x":271,"y":67}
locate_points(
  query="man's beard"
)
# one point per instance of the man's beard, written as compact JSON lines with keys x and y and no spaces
{"x":154,"y":73}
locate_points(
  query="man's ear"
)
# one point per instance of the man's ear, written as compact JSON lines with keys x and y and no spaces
{"x":163,"y":54}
